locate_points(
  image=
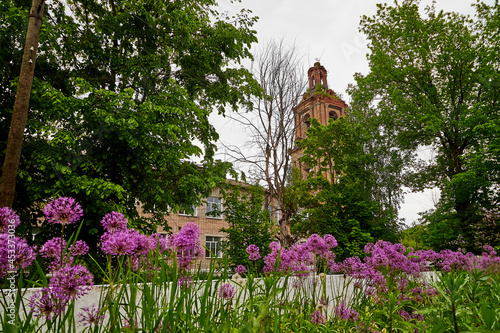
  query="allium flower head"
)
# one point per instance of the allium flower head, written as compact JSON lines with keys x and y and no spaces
{"x":316,"y":244}
{"x":346,"y":313}
{"x":253,"y":252}
{"x":330,"y":241}
{"x":63,"y":210}
{"x":80,"y":248}
{"x":71,"y":282}
{"x":275,"y":246}
{"x":114,"y":221}
{"x":187,"y":243}
{"x":142,"y":244}
{"x":240,"y":269}
{"x":130,"y":324}
{"x":158,"y":242}
{"x":90,"y":316}
{"x":318,"y":318}
{"x":8,"y":219}
{"x":488,"y":248}
{"x":119,"y":242}
{"x":185,"y":281}
{"x":44,"y":303}
{"x":226,"y":291}
{"x":188,"y":237}
{"x":24,"y":254}
{"x":52,"y":247}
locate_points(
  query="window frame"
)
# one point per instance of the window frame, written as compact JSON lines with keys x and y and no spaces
{"x":210,"y":253}
{"x":193,"y":214}
{"x":210,"y":208}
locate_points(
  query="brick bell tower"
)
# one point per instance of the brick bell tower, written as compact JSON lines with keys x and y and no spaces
{"x":318,"y":102}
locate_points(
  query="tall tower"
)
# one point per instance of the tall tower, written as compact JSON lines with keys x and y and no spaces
{"x":318,"y":102}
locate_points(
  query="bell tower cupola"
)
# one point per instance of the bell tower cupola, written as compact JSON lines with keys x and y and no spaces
{"x":317,"y":75}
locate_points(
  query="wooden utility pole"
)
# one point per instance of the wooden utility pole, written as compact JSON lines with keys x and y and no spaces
{"x":21,"y":106}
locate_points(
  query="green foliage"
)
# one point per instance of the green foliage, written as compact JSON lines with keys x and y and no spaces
{"x":442,"y":233}
{"x":120,"y":103}
{"x":415,"y":237}
{"x":344,"y":200}
{"x":433,"y":84}
{"x":248,"y":223}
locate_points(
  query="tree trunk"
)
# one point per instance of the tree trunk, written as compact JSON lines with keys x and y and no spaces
{"x":286,"y":237}
{"x":21,"y":105}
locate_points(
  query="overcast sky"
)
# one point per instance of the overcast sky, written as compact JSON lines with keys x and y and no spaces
{"x":326,"y":30}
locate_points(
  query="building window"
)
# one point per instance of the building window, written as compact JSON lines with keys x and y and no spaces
{"x":277,"y":216}
{"x":214,"y":208}
{"x":307,"y":121}
{"x":333,"y":115}
{"x":274,"y":214}
{"x":189,"y":212}
{"x":213,"y":247}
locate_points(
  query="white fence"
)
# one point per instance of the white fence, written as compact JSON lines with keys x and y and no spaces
{"x":330,"y":288}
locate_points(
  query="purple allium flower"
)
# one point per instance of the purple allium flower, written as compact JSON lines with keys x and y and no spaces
{"x":488,"y":248}
{"x":44,"y":303}
{"x":63,"y":210}
{"x":8,"y":219}
{"x":80,"y":248}
{"x":369,"y":248}
{"x":119,"y":242}
{"x":402,"y":284}
{"x":130,"y":323}
{"x":158,"y":242}
{"x":185,"y":281}
{"x":301,"y":270}
{"x":431,"y":292}
{"x":405,"y":315}
{"x":52,"y":247}
{"x":5,"y":265}
{"x":90,"y":316}
{"x":226,"y":291}
{"x":275,"y":246}
{"x":188,"y":236}
{"x":142,"y":244}
{"x":187,"y":244}
{"x":253,"y":252}
{"x":316,"y":244}
{"x":417,"y":290}
{"x":342,"y":311}
{"x":330,"y":241}
{"x":318,"y":318}
{"x":24,"y":254}
{"x":240,"y":269}
{"x":71,"y":282}
{"x":114,"y":221}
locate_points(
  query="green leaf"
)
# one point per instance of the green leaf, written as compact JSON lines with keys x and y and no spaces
{"x":488,"y":315}
{"x":440,"y":328}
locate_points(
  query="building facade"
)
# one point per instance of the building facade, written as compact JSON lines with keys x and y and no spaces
{"x":208,"y":217}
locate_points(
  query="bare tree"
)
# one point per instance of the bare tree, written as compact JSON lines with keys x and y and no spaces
{"x":271,"y":126}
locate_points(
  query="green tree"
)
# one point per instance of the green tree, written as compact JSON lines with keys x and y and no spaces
{"x":343,"y":200}
{"x":415,"y":237}
{"x":433,"y":83}
{"x":249,"y":223}
{"x":120,"y":102}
